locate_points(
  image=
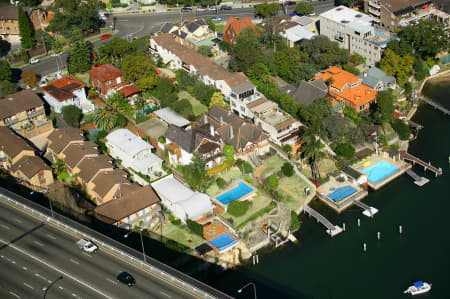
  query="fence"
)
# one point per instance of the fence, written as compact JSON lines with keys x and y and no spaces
{"x":164,"y":271}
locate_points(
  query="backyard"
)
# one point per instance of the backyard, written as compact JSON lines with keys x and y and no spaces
{"x":228,"y":176}
{"x":197,"y":107}
{"x":259,"y":202}
{"x":293,"y":186}
{"x":181,"y":234}
{"x":272,"y":163}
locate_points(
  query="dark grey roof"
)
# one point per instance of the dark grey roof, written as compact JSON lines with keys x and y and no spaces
{"x":363,"y":153}
{"x":167,"y":27}
{"x":203,"y":249}
{"x":190,"y":139}
{"x":303,"y":20}
{"x":9,"y":13}
{"x":180,"y":33}
{"x":306,"y":92}
{"x":375,"y":75}
{"x":243,"y":87}
{"x":192,"y":26}
{"x":352,"y":172}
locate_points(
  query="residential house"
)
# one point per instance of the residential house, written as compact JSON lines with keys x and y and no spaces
{"x":74,"y":153}
{"x":234,"y":27}
{"x":348,"y":89}
{"x":9,"y":21}
{"x":296,"y":34}
{"x":306,"y":92}
{"x":354,"y":176}
{"x":244,"y":136}
{"x":24,"y":112}
{"x":67,"y":91}
{"x":105,"y":184}
{"x":134,"y":154}
{"x":306,"y":22}
{"x":17,"y":156}
{"x":90,"y":167}
{"x":377,"y":79}
{"x":60,"y":139}
{"x":171,"y":117}
{"x":181,"y":201}
{"x":355,"y":32}
{"x":182,"y":143}
{"x":136,"y":206}
{"x":108,"y":79}
{"x":237,"y":89}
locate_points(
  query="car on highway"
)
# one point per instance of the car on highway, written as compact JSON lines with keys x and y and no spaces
{"x":126,"y":278}
{"x":87,"y":246}
{"x":186,"y":9}
{"x":105,"y":36}
{"x":216,"y":19}
{"x":34,"y":60}
{"x":212,"y":8}
{"x":226,"y":7}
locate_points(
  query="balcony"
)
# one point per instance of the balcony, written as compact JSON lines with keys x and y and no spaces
{"x":3,"y":159}
{"x":374,"y":12}
{"x":374,"y":4}
{"x":11,"y":121}
{"x":35,"y":113}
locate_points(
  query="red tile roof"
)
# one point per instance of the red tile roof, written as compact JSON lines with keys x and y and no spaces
{"x":62,"y":89}
{"x":127,"y":89}
{"x":105,"y":72}
{"x":236,"y":26}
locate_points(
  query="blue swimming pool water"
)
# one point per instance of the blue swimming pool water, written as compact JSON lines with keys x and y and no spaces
{"x":380,"y":171}
{"x":145,"y":108}
{"x":224,"y":241}
{"x":341,"y":193}
{"x":235,"y":193}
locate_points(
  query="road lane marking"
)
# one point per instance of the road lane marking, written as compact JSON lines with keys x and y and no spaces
{"x":112,"y":281}
{"x":17,"y":220}
{"x":25,"y":268}
{"x":38,"y":243}
{"x":5,"y":226}
{"x":51,"y":237}
{"x":167,"y":295}
{"x":87,"y":254}
{"x":75,"y":295}
{"x":61,"y":288}
{"x":74,"y":261}
{"x":54,"y":268}
{"x":28,"y":285}
{"x":15,"y":295}
{"x":40,"y":276}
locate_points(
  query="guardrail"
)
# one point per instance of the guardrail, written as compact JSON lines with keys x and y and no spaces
{"x":162,"y":270}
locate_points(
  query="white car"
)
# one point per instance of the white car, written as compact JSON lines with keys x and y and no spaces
{"x":87,"y":246}
{"x":55,"y":54}
{"x":34,"y":60}
{"x":216,"y":19}
{"x":212,"y":8}
{"x":201,"y":9}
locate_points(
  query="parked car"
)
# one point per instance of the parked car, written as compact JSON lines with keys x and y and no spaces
{"x":226,"y":7}
{"x":105,"y":36}
{"x":289,"y":3}
{"x":201,"y":8}
{"x":87,"y":246}
{"x":186,"y":9}
{"x":212,"y":8}
{"x":34,"y":60}
{"x":126,"y":278}
{"x":55,"y":54}
{"x":216,"y":19}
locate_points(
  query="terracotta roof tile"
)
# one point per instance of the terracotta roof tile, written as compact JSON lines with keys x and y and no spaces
{"x":105,"y":72}
{"x":62,"y":89}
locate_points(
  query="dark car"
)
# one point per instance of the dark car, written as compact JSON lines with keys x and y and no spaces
{"x":226,"y":7}
{"x":186,"y":9}
{"x":126,"y":278}
{"x":289,"y":3}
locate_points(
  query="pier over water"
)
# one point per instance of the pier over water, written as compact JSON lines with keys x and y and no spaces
{"x":332,"y":229}
{"x":406,"y":156}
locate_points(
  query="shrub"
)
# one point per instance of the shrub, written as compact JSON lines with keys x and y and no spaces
{"x":295,"y":223}
{"x":401,"y":129}
{"x":287,"y":148}
{"x":195,"y":227}
{"x":63,"y":176}
{"x":71,"y":115}
{"x":121,"y":121}
{"x":162,"y":139}
{"x":272,"y":182}
{"x":287,"y":169}
{"x":345,"y":150}
{"x":221,"y":182}
{"x":248,"y":179}
{"x":238,"y":208}
{"x":174,"y":220}
{"x":244,"y":166}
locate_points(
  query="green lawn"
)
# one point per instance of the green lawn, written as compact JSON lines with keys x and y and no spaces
{"x":274,"y":162}
{"x":220,"y":27}
{"x":258,"y":203}
{"x":182,"y":235}
{"x":327,"y":165}
{"x":296,"y":185}
{"x":228,"y":176}
{"x":83,"y":77}
{"x":197,"y":107}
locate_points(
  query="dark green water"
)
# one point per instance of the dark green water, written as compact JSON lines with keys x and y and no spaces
{"x":322,"y":267}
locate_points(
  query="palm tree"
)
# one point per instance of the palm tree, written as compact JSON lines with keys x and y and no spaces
{"x":105,"y":118}
{"x":312,"y":151}
{"x":139,"y":104}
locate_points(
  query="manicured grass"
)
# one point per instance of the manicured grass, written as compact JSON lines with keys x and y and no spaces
{"x":83,"y":77}
{"x":197,"y":107}
{"x":228,"y":176}
{"x":220,"y":27}
{"x":274,"y":162}
{"x":296,"y":185}
{"x":327,"y":165}
{"x":181,"y":234}
{"x":261,"y":212}
{"x":258,"y":203}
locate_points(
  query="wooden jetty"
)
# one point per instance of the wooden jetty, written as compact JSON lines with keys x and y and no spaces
{"x":418,"y":180}
{"x":332,"y":229}
{"x":435,"y":105}
{"x":368,"y":210}
{"x":427,"y":166}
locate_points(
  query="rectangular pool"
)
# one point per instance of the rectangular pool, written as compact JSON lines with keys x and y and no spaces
{"x":380,"y":171}
{"x":223,"y":242}
{"x":241,"y":190}
{"x":341,"y":193}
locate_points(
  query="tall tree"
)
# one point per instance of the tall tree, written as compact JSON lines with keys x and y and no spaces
{"x":266,"y":10}
{"x":312,"y":151}
{"x":140,"y":70}
{"x":105,"y":118}
{"x":79,"y":59}
{"x":324,"y":52}
{"x":195,"y":175}
{"x":396,"y":65}
{"x":216,"y":99}
{"x":247,"y":50}
{"x":285,"y":64}
{"x":228,"y":152}
{"x":304,"y":8}
{"x":71,"y":115}
{"x":6,"y":88}
{"x":5,"y":70}
{"x":384,"y":107}
{"x":26,"y":29}
{"x":29,"y":77}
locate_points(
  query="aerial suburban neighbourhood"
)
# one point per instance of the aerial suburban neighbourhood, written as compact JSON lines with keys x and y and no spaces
{"x":223,"y":149}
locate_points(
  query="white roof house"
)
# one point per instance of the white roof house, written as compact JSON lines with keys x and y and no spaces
{"x":181,"y":200}
{"x":171,"y":117}
{"x":296,"y":34}
{"x":134,"y":152}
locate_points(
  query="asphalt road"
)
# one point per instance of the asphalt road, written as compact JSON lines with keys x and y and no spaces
{"x":129,"y":26}
{"x":33,"y":254}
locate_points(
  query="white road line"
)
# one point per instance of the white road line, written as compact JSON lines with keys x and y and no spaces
{"x":112,"y":281}
{"x":40,"y":276}
{"x":74,"y":294}
{"x":55,"y":269}
{"x":14,"y":262}
{"x":38,"y":243}
{"x":17,"y":220}
{"x":167,"y":295}
{"x":61,"y":288}
{"x":15,"y":295}
{"x":25,"y":268}
{"x":28,"y":285}
{"x":87,"y":254}
{"x":5,"y":226}
{"x":51,"y":237}
{"x":74,"y":261}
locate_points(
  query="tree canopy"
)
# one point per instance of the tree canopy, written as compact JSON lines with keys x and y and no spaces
{"x":195,"y":175}
{"x":345,"y":150}
{"x":26,"y":31}
{"x":401,"y":129}
{"x":216,"y":99}
{"x":324,"y":53}
{"x":272,"y":182}
{"x":285,"y":64}
{"x":71,"y":115}
{"x":29,"y":77}
{"x":266,"y":9}
{"x":396,"y":65}
{"x":384,"y":107}
{"x":287,"y":169}
{"x":228,"y":152}
{"x":79,"y":59}
{"x":247,"y":50}
{"x":304,"y":8}
{"x":5,"y":70}
{"x":140,"y":70}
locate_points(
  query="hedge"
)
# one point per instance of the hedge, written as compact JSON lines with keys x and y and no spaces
{"x":195,"y":227}
{"x":295,"y":224}
{"x":238,"y":208}
{"x":261,"y":212}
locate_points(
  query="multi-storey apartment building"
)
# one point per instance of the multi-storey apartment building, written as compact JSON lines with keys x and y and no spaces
{"x":9,"y":21}
{"x":355,"y":32}
{"x":24,"y":113}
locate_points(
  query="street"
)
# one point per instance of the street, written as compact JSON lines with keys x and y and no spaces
{"x":34,"y":254}
{"x":129,"y":26}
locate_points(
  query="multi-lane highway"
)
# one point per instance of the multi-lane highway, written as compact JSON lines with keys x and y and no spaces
{"x":128,"y":26}
{"x":34,"y":254}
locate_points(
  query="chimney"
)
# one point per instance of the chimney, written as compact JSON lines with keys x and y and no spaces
{"x":205,"y":119}
{"x":365,"y":74}
{"x":231,"y":132}
{"x":211,"y":129}
{"x":221,"y":120}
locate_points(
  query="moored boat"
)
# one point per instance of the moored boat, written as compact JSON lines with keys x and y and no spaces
{"x":418,"y":287}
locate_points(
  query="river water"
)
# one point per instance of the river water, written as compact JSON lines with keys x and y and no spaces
{"x":323,"y":267}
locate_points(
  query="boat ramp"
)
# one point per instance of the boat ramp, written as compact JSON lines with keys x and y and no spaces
{"x":435,"y":105}
{"x":332,"y":229}
{"x":368,"y":210}
{"x":418,"y":180}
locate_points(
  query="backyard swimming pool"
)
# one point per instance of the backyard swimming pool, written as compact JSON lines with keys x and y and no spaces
{"x":380,"y":171}
{"x":223,"y":242}
{"x":341,"y":193}
{"x":241,"y":190}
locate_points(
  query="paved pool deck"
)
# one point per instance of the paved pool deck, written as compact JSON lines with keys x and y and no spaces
{"x":233,"y":185}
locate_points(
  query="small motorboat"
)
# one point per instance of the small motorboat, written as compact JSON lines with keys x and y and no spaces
{"x":419,"y":287}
